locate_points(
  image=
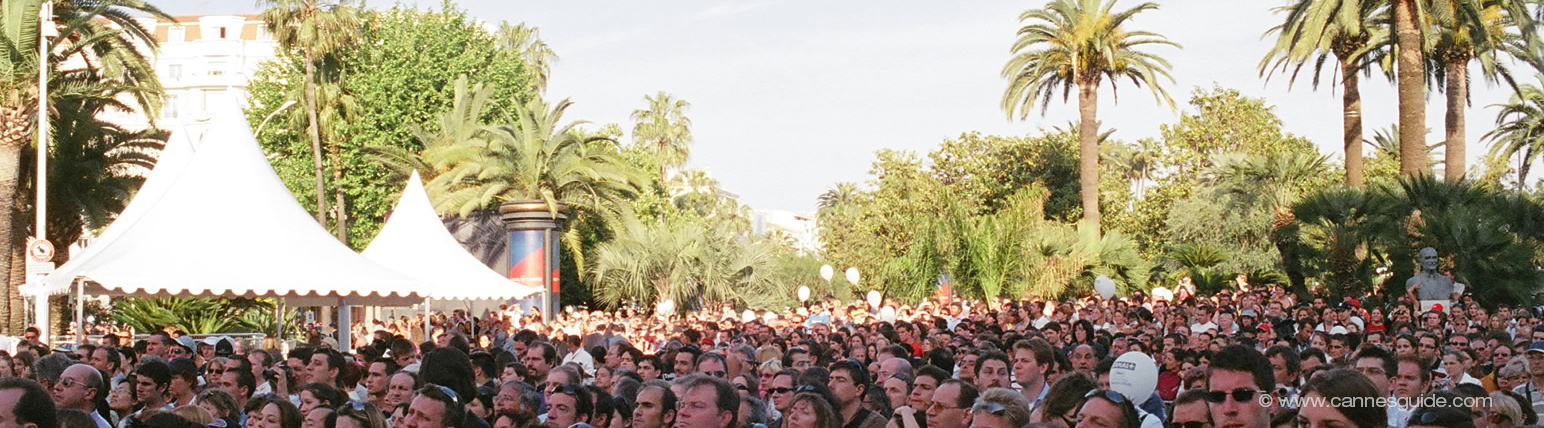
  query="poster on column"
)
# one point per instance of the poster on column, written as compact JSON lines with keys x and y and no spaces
{"x":528,"y":259}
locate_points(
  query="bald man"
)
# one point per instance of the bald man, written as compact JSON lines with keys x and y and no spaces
{"x":79,"y":389}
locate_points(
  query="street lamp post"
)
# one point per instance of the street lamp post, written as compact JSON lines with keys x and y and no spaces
{"x":46,"y":31}
{"x":285,"y":106}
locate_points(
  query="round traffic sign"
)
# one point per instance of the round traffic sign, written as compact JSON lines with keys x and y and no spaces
{"x":40,"y":250}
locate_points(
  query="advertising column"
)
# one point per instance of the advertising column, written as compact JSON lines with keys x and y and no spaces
{"x":534,"y":229}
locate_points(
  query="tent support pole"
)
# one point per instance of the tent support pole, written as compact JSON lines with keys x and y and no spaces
{"x":278,"y":325}
{"x":428,"y":334}
{"x":80,"y":313}
{"x":345,"y":326}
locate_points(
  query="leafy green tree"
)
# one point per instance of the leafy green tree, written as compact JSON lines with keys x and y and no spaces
{"x":665,"y":130}
{"x":1275,"y":182}
{"x":1520,"y":129}
{"x":689,"y":260}
{"x":1342,"y":231}
{"x":401,"y":77}
{"x":100,"y":43}
{"x":1349,"y":31}
{"x":1079,"y":44}
{"x":315,"y":32}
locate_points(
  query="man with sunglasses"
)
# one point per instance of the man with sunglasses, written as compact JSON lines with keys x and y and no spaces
{"x":78,"y":389}
{"x":780,"y":394}
{"x":1108,"y":409}
{"x":1238,"y":375}
{"x":434,"y":406}
{"x":950,"y":405}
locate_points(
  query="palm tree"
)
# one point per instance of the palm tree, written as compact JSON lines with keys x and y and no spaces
{"x":665,"y":130}
{"x":462,"y":123}
{"x":99,"y":42}
{"x":1465,"y":30}
{"x":1346,"y":30}
{"x":315,"y":31}
{"x":1520,"y":129}
{"x":687,"y":260}
{"x":1081,"y":43}
{"x":539,"y":157}
{"x":95,"y":167}
{"x":1275,"y":181}
{"x":1410,"y":71}
{"x":526,"y":41}
{"x":842,"y":195}
{"x":1343,"y":228}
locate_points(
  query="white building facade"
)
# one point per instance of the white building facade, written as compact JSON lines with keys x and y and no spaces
{"x":204,"y":60}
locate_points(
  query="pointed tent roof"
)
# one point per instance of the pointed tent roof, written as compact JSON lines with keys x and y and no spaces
{"x":214,"y":220}
{"x":415,"y":242}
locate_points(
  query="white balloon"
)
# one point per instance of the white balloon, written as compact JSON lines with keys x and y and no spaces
{"x":874,"y":298}
{"x":852,"y":276}
{"x":1161,"y":293}
{"x":1134,"y":375}
{"x":804,"y":293}
{"x":887,"y":314}
{"x":666,"y":307}
{"x":1105,"y":286}
{"x":747,"y":316}
{"x":827,"y":272}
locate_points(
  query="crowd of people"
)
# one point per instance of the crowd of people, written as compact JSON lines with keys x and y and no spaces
{"x":1248,"y":357}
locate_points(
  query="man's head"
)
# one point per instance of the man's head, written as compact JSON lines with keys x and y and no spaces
{"x":780,"y":391}
{"x":540,"y":358}
{"x":106,"y":359}
{"x":1105,"y":408}
{"x":1084,"y":360}
{"x":713,"y":364}
{"x":993,"y":370}
{"x":325,"y":366}
{"x":950,"y":405}
{"x":709,"y":402}
{"x":434,"y":407}
{"x":1378,"y":365}
{"x":377,"y":375}
{"x":1190,"y":408}
{"x":568,"y":405}
{"x":655,"y":406}
{"x":25,"y":404}
{"x":238,"y":383}
{"x":151,"y":380}
{"x":1285,"y":365}
{"x":1238,"y":375}
{"x":1411,"y":378}
{"x":1031,"y":359}
{"x":79,"y":388}
{"x":849,"y":382}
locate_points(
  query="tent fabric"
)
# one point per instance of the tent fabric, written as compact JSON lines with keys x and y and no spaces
{"x":415,"y":241}
{"x":214,"y":220}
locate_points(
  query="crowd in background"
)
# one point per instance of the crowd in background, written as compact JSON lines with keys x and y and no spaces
{"x":1250,"y":357}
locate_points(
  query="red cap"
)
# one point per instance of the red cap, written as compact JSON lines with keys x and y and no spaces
{"x":1437,"y":307}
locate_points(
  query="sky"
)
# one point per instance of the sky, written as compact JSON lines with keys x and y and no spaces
{"x":790,"y":97}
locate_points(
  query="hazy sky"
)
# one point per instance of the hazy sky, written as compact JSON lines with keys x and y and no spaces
{"x":790,"y":97}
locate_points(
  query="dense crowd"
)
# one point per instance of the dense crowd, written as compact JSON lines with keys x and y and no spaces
{"x":1241,"y":358}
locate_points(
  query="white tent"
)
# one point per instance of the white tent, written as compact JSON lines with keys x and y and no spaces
{"x":214,"y":220}
{"x":415,"y":242}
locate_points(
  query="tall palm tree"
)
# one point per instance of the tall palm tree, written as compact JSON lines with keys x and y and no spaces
{"x":1410,"y":72}
{"x":539,"y":157}
{"x":665,"y":130}
{"x":843,"y":194}
{"x":1345,"y":29}
{"x":99,"y":42}
{"x":1520,"y":129}
{"x":95,"y":167}
{"x":1080,"y":44}
{"x":526,"y":41}
{"x":1465,"y":30}
{"x":315,"y":30}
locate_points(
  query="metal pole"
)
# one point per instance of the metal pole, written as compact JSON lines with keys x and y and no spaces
{"x":345,"y":326}
{"x":428,"y":324}
{"x":80,"y":312}
{"x":45,"y":27}
{"x":548,"y":301}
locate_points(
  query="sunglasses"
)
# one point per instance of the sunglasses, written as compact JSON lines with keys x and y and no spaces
{"x":779,"y":390}
{"x":1239,"y":395}
{"x":1114,"y":397}
{"x":990,"y":408}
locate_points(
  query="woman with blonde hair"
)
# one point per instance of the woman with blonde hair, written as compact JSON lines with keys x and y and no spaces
{"x":1504,"y":412}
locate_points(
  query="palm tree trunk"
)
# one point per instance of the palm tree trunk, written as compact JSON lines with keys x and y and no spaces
{"x":1411,"y":73}
{"x":337,"y":191}
{"x":1523,"y":167}
{"x":1457,"y":97}
{"x":313,"y":127}
{"x":1351,"y":106}
{"x":1088,"y":151}
{"x":15,"y":130}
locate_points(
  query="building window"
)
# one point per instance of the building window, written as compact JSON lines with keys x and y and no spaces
{"x":222,"y":33}
{"x":217,"y":68}
{"x":174,"y":71}
{"x":172,"y":108}
{"x":177,"y":34}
